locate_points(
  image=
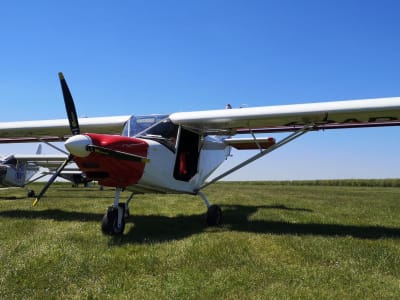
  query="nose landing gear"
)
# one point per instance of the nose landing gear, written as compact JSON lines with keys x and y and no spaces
{"x":113,"y":222}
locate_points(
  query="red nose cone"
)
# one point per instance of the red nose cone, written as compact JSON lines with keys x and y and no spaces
{"x":111,"y":171}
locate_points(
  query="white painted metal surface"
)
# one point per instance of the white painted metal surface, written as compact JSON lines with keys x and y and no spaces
{"x":366,"y":110}
{"x":60,"y":127}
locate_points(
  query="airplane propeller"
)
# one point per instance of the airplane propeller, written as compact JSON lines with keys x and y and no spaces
{"x":73,"y":125}
{"x":75,"y":130}
{"x":69,"y":106}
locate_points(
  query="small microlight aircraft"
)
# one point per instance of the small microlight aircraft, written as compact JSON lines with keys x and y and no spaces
{"x":177,"y":153}
{"x":19,"y":170}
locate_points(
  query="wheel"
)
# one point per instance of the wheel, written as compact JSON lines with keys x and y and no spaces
{"x":109,"y":224}
{"x":31,"y":194}
{"x":214,"y":215}
{"x":126,"y":210}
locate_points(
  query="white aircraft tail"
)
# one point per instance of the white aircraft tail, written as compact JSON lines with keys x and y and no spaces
{"x":39,"y":149}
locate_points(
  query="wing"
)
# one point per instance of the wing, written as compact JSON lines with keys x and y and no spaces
{"x":323,"y":115}
{"x":42,"y":160}
{"x":57,"y":130}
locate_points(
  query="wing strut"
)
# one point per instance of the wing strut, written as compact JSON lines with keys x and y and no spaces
{"x":54,"y":147}
{"x":255,"y":140}
{"x":51,"y":180}
{"x":282,"y":142}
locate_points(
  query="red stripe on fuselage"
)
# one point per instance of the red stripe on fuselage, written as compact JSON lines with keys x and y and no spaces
{"x":110,"y":171}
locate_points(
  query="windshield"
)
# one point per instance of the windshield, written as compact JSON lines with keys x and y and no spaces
{"x":8,"y":160}
{"x":138,"y":124}
{"x":155,"y":127}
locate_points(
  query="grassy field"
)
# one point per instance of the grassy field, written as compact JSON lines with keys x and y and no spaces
{"x":278,"y":241}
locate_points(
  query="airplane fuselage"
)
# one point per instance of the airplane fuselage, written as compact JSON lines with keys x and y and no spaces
{"x":9,"y":176}
{"x":177,"y":166}
{"x":14,"y":173}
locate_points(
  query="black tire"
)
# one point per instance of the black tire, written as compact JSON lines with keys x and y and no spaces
{"x":109,"y":224}
{"x":126,"y":210}
{"x":214,"y":216}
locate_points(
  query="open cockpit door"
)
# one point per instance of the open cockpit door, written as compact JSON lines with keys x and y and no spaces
{"x":187,"y":155}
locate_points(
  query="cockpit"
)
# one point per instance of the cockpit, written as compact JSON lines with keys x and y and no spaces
{"x":159,"y":128}
{"x":153,"y":127}
{"x":8,"y":160}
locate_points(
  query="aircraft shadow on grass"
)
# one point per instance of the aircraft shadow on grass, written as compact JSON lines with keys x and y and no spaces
{"x":12,"y":197}
{"x":158,"y":228}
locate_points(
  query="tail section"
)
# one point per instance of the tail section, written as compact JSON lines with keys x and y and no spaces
{"x":39,"y":149}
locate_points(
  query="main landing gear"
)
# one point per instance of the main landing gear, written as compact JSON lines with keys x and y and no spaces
{"x":31,"y":194}
{"x":214,"y":212}
{"x":113,"y":222}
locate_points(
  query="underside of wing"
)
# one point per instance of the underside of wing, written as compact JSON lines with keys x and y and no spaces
{"x":323,"y":115}
{"x":57,"y":130}
{"x":40,"y":157}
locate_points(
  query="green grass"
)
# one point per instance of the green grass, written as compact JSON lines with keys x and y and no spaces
{"x":278,"y":241}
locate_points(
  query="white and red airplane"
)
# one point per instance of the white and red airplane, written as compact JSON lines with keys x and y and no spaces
{"x":177,"y":153}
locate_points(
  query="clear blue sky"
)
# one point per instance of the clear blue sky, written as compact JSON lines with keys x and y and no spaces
{"x":141,"y":57}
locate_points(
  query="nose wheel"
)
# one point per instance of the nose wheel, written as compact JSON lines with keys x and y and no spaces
{"x":113,"y":222}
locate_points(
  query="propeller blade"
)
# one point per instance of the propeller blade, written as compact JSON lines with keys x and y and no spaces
{"x":51,"y":180}
{"x":69,"y":106}
{"x":117,"y":154}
